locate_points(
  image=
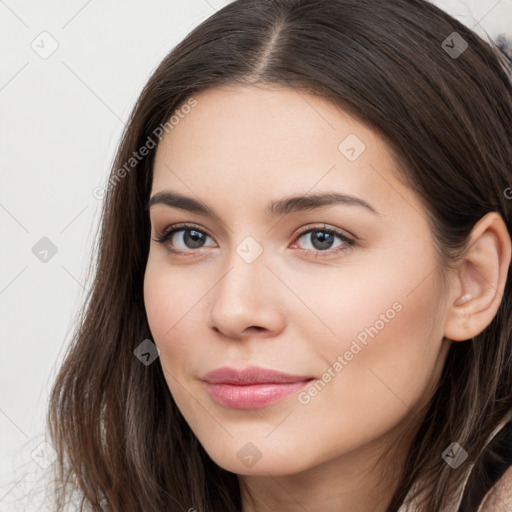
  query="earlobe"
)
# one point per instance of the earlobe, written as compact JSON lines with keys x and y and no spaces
{"x":480,"y":279}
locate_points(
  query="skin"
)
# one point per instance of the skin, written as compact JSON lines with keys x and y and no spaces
{"x":237,"y":150}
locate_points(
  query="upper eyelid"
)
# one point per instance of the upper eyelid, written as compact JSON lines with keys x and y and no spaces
{"x":319,"y":225}
{"x":224,"y":229}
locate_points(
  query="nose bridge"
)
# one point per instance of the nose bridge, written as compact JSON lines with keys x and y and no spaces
{"x":242,"y":298}
{"x":246,"y":267}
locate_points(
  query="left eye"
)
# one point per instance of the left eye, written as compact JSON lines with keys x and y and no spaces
{"x":321,"y":239}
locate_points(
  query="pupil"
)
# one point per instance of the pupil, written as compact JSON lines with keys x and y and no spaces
{"x":322,"y":240}
{"x":195,"y":238}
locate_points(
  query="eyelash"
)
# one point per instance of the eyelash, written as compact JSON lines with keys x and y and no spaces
{"x":169,"y":232}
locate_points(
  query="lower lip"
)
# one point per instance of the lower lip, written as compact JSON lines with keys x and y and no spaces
{"x":254,"y":395}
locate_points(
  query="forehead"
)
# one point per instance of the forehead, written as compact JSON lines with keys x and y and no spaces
{"x":247,"y":141}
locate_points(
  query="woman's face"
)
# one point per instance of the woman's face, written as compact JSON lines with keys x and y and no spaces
{"x":343,"y":295}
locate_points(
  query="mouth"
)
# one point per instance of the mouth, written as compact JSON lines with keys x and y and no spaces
{"x":252,"y":387}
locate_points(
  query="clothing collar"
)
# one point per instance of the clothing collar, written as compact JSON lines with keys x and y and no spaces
{"x":411,"y":505}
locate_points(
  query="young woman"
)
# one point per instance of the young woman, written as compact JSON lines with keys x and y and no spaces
{"x":302,"y":298}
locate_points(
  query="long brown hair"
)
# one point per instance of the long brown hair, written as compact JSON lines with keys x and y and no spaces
{"x":447,"y":118}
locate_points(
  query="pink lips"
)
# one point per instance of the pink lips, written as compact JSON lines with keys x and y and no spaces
{"x":252,"y":387}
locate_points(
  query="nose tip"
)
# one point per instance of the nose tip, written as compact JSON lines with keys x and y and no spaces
{"x":242,"y":305}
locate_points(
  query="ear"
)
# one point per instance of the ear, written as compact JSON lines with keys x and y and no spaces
{"x":480,"y":279}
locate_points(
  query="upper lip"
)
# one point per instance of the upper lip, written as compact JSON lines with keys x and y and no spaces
{"x":250,"y":375}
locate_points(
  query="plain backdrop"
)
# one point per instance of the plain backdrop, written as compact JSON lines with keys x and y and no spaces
{"x":69,"y":75}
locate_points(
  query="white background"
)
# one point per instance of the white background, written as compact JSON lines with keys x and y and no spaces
{"x":61,"y":119}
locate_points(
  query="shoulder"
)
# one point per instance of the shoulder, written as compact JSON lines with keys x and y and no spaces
{"x":499,"y":497}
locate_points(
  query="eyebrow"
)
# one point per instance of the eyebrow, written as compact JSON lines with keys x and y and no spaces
{"x":276,"y":208}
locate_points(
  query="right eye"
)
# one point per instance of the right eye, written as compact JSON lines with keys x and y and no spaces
{"x":191,"y":237}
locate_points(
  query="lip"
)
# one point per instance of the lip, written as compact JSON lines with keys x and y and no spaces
{"x":252,"y":387}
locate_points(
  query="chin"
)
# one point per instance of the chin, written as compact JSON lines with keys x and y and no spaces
{"x":256,"y":459}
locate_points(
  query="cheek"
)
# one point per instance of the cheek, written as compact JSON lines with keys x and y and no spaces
{"x":170,"y":310}
{"x":387,"y":354}
{"x":169,"y":297}
{"x":378,"y":384}
{"x":174,"y":303}
{"x":169,"y":307}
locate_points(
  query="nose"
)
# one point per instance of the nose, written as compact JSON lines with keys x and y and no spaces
{"x":246,"y":301}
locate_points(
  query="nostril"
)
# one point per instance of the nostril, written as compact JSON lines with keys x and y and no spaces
{"x":255,"y":327}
